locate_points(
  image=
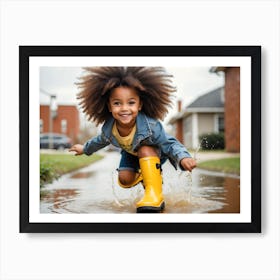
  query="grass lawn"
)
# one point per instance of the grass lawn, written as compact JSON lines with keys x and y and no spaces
{"x":54,"y":165}
{"x":63,"y":163}
{"x":227,"y":165}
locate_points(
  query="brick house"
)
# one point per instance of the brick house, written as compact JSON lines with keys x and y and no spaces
{"x":204,"y":115}
{"x":215,"y":111}
{"x":66,"y":120}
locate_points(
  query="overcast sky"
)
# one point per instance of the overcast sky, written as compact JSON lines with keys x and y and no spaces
{"x":191,"y":82}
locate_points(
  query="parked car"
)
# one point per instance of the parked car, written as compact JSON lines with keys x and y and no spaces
{"x":60,"y":141}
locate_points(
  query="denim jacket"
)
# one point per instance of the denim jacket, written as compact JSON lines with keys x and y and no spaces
{"x":148,"y":132}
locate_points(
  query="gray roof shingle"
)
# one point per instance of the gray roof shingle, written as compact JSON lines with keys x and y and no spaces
{"x":210,"y":102}
{"x":212,"y":99}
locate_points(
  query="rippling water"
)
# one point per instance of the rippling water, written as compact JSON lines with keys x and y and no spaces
{"x":94,"y":189}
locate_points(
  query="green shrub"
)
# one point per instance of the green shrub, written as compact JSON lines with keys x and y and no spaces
{"x":212,"y":141}
{"x":47,"y":173}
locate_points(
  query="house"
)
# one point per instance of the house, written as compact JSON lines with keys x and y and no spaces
{"x":232,"y":107}
{"x":204,"y":115}
{"x":216,"y":111}
{"x":65,"y":120}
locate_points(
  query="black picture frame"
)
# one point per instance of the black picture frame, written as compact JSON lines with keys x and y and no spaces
{"x":254,"y":52}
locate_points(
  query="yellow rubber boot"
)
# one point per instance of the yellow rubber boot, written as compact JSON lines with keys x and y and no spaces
{"x":152,"y":180}
{"x":137,"y":180}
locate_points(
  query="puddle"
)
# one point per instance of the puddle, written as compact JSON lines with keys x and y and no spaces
{"x":80,"y":175}
{"x":95,"y":190}
{"x":56,"y":199}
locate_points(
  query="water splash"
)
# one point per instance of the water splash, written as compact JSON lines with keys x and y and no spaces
{"x":189,"y":175}
{"x":125,"y":197}
{"x":189,"y":186}
{"x":196,"y":150}
{"x":116,"y":199}
{"x":181,"y":190}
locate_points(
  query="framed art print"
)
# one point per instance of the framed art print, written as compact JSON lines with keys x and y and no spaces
{"x":216,"y":117}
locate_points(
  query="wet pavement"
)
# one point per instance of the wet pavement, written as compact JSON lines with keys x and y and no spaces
{"x":94,"y":189}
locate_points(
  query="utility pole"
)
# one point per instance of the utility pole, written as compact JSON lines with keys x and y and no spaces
{"x":52,"y":114}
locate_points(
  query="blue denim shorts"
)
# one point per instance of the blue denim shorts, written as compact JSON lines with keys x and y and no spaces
{"x":131,"y":162}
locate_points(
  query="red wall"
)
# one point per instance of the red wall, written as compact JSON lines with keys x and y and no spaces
{"x":232,"y":109}
{"x":67,"y":112}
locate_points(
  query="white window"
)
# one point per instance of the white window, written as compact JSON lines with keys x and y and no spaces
{"x":219,"y":123}
{"x":63,"y":126}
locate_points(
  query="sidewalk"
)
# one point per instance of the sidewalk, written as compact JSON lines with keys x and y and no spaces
{"x":205,"y":155}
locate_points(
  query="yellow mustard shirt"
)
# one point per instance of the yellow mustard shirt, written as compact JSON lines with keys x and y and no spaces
{"x":125,"y":142}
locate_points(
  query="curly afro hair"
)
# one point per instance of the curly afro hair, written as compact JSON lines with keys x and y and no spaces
{"x":153,"y":84}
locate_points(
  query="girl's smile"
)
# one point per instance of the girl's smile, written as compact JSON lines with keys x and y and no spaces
{"x":124,"y":104}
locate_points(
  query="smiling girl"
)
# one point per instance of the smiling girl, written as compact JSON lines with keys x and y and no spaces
{"x":129,"y":102}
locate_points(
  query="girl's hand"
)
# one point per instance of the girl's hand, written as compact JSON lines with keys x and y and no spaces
{"x":188,"y":163}
{"x":78,"y":148}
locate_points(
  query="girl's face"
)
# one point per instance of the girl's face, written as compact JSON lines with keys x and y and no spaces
{"x":124,"y":104}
